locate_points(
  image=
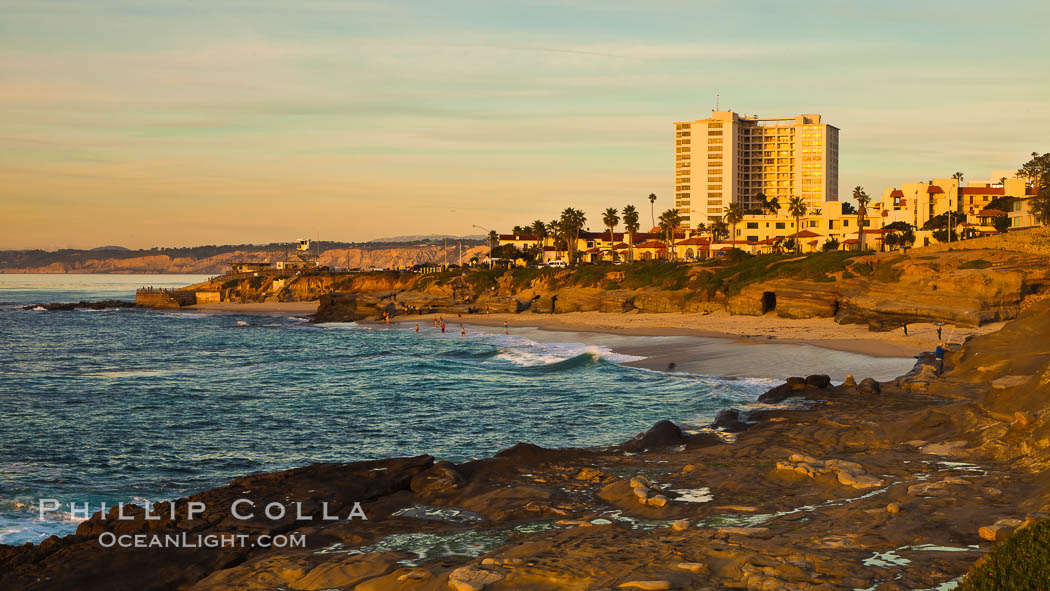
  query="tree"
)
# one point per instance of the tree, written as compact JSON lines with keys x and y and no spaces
{"x":719,"y":230}
{"x":610,"y":219}
{"x":630,"y":224}
{"x":572,"y":221}
{"x":1001,"y":223}
{"x":670,"y":220}
{"x":831,"y":244}
{"x":848,"y":209}
{"x":1037,"y":172}
{"x":734,"y":214}
{"x":862,"y":199}
{"x":517,"y":231}
{"x":797,"y":209}
{"x":493,"y":239}
{"x":539,"y":229}
{"x":555,"y":233}
{"x":652,"y":206}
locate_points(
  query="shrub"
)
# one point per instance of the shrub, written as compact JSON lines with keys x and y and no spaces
{"x":976,"y":264}
{"x":1021,"y":563}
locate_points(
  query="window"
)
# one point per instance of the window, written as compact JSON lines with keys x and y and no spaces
{"x":780,"y":225}
{"x":752,"y":225}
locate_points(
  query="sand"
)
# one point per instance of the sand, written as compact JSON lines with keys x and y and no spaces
{"x":268,"y":308}
{"x":769,"y":328}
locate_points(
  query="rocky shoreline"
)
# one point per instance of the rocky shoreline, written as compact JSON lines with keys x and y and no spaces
{"x":894,"y":485}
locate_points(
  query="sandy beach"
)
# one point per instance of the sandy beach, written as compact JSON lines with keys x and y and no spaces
{"x":819,"y":332}
{"x":268,"y":308}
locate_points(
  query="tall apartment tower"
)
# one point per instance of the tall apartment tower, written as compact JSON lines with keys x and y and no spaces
{"x":730,"y":158}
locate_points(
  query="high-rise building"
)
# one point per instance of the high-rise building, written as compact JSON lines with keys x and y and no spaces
{"x":729,"y":158}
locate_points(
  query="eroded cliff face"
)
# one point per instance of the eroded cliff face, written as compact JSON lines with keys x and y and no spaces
{"x":883,"y":291}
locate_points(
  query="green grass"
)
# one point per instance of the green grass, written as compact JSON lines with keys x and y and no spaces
{"x":976,"y":264}
{"x":1021,"y":563}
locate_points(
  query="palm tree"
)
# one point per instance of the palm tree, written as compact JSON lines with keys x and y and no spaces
{"x":669,"y":222}
{"x":630,"y":224}
{"x":611,"y":219}
{"x":959,"y":179}
{"x":572,"y":220}
{"x":734,"y":214}
{"x":719,"y":230}
{"x":493,"y":239}
{"x":862,"y":211}
{"x":554,"y":230}
{"x":797,"y":209}
{"x":652,"y":206}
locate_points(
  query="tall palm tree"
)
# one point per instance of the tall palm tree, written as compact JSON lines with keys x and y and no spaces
{"x":572,"y":221}
{"x":733,"y":216}
{"x":493,"y":239}
{"x":862,"y":199}
{"x":797,"y":209}
{"x":554,"y":231}
{"x":611,"y":219}
{"x":670,"y":220}
{"x":958,"y":179}
{"x":630,"y":224}
{"x":540,"y":230}
{"x":652,"y":208}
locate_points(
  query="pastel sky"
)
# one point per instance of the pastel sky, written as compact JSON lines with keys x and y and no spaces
{"x":152,"y":123}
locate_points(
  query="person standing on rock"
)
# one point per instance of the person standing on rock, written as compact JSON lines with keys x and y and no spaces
{"x":938,"y":355}
{"x":905,"y":326}
{"x":940,"y":327}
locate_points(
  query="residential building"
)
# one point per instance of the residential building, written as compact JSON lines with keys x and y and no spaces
{"x":730,"y":158}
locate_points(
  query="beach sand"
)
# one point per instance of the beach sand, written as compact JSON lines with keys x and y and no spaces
{"x":268,"y":308}
{"x":769,"y":328}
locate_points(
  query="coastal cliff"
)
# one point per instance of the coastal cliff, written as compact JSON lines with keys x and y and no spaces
{"x":900,"y":485}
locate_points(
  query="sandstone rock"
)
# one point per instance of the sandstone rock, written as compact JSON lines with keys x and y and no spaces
{"x":680,"y":524}
{"x":471,"y":578}
{"x":819,"y":380}
{"x":1009,"y":382}
{"x":640,"y":480}
{"x":858,"y":481}
{"x":745,"y":531}
{"x":662,"y":434}
{"x":642,"y":493}
{"x":442,"y":478}
{"x":1024,"y":418}
{"x":656,"y":501}
{"x":893,"y":508}
{"x":657,"y":585}
{"x":868,"y":386}
{"x":730,"y":421}
{"x":1000,"y":530}
{"x":940,"y":488}
{"x":946,"y":448}
{"x":849,"y":381}
{"x":693,"y":567}
{"x":589,"y":474}
{"x":415,"y":575}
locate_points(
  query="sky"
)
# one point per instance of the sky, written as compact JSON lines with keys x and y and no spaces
{"x":154,"y":123}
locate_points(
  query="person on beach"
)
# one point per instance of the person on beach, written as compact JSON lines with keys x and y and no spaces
{"x":463,"y":330}
{"x":940,"y":327}
{"x":506,"y":328}
{"x":417,"y":328}
{"x":904,"y":325}
{"x":386,"y":318}
{"x":938,"y":356}
{"x":442,"y":327}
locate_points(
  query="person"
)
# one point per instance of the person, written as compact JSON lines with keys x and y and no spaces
{"x":506,"y":327}
{"x":938,"y":355}
{"x":905,"y":325}
{"x":462,"y":330}
{"x":940,"y":327}
{"x":417,"y":328}
{"x":386,"y":318}
{"x":442,"y":327}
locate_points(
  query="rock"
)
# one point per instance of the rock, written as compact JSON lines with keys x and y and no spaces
{"x":893,"y":508}
{"x":1024,"y":418}
{"x":640,"y":480}
{"x":818,"y":380}
{"x":1009,"y":382}
{"x":649,"y":585}
{"x":662,"y":434}
{"x":524,"y":451}
{"x":868,"y":386}
{"x":642,"y":493}
{"x":694,"y":567}
{"x":680,"y":524}
{"x":850,"y":382}
{"x":796,"y":382}
{"x":940,"y":488}
{"x":744,"y":531}
{"x":946,"y":448}
{"x":416,"y":575}
{"x":589,"y":474}
{"x":656,"y":501}
{"x":441,"y":479}
{"x":730,"y":421}
{"x":471,"y":578}
{"x":858,"y":481}
{"x":778,"y":394}
{"x":999,"y":530}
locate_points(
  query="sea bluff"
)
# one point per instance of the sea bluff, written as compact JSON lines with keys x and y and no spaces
{"x":873,"y":486}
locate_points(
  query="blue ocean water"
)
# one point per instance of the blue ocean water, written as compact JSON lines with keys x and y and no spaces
{"x":124,"y":405}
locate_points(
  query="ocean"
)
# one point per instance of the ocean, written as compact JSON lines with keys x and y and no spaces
{"x":128,"y":404}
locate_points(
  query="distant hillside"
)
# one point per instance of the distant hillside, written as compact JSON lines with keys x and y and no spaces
{"x":430,"y":237}
{"x":214,"y":259}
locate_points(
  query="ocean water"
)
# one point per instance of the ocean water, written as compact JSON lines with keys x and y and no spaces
{"x":126,"y":405}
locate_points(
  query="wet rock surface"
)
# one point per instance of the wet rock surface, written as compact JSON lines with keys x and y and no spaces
{"x":899,"y":490}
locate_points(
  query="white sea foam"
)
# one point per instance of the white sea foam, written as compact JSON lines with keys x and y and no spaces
{"x":241,"y":323}
{"x":529,"y":353}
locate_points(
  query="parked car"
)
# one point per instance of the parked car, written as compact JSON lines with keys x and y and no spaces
{"x":558,"y":264}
